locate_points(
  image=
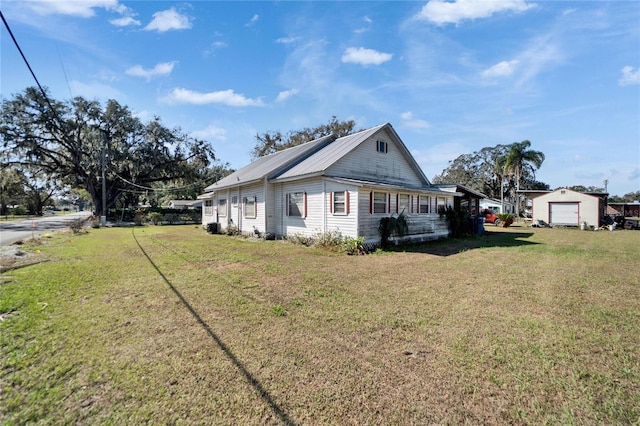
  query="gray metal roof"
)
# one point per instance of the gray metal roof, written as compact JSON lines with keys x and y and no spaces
{"x":324,"y":158}
{"x":321,"y":160}
{"x":271,"y":164}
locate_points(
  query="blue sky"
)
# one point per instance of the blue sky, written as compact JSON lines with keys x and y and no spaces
{"x":451,"y":77}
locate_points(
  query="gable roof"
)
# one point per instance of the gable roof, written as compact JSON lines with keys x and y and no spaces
{"x":270,"y":165}
{"x":320,"y":161}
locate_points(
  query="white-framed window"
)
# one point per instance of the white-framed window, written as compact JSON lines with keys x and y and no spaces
{"x":234,"y":201}
{"x":340,"y":202}
{"x":442,"y":202}
{"x":222,"y":207}
{"x":382,"y":146}
{"x":403,"y":205}
{"x":208,"y":207}
{"x":297,"y":204}
{"x":250,"y":207}
{"x":379,"y":202}
{"x":423,"y":204}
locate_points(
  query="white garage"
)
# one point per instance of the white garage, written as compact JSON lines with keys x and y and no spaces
{"x":565,"y":207}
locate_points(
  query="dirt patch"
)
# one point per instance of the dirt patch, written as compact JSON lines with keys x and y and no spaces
{"x":14,"y":256}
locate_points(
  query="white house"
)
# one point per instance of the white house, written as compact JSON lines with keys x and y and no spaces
{"x":330,"y":184}
{"x":495,"y":205}
{"x":566,"y":207}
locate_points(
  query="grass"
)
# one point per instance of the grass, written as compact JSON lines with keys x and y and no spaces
{"x":173,"y":325}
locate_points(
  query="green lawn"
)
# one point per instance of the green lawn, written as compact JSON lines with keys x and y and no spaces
{"x":170,"y":325}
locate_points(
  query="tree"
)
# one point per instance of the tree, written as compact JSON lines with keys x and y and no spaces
{"x":482,"y":171}
{"x":75,"y":142}
{"x":629,"y":197}
{"x":270,"y":142}
{"x":521,"y":159}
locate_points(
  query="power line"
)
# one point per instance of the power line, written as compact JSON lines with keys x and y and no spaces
{"x":6,"y":24}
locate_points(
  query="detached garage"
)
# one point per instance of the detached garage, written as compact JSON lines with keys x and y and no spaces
{"x":564,"y":207}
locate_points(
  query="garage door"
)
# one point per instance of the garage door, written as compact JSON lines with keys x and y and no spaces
{"x":564,"y":213}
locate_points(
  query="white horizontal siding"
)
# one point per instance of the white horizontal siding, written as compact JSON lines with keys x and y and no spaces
{"x":366,"y":163}
{"x":346,"y":224}
{"x":312,"y":224}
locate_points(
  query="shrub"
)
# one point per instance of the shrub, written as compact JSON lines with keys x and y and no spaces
{"x":353,"y":245}
{"x":155,"y":217}
{"x":331,"y":239}
{"x":506,"y":219}
{"x":392,"y":226}
{"x":232,"y":231}
{"x":459,"y":222}
{"x":77,"y":225}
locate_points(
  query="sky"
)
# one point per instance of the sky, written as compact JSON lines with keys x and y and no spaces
{"x":451,"y":77}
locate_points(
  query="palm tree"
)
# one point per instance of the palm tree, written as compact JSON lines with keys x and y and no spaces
{"x":499,"y":170}
{"x":520,"y":159}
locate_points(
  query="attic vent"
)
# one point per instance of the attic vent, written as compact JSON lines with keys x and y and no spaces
{"x":382,"y":146}
{"x":563,"y":192}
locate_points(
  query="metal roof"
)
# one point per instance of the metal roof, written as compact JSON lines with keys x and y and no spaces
{"x":271,"y":164}
{"x":326,"y":157}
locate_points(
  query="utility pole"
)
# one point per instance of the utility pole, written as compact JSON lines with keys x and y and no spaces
{"x":103,"y":216}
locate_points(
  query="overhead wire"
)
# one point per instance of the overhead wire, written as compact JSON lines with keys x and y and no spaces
{"x":24,"y":58}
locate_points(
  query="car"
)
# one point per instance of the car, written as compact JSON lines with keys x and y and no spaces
{"x":491,"y":217}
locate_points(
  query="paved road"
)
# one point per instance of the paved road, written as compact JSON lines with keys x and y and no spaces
{"x":25,"y":229}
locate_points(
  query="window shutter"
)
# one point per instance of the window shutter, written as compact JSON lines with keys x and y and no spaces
{"x":331,"y":202}
{"x":286,"y":207}
{"x":305,"y":204}
{"x":255,"y":206}
{"x":371,"y":202}
{"x":346,"y":194}
{"x":411,"y":205}
{"x":418,"y":211}
{"x":397,"y":203}
{"x":389,"y":203}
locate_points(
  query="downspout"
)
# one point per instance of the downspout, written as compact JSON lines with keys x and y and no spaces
{"x":266,"y":204}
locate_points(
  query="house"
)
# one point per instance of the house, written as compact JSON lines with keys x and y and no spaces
{"x":330,"y":184}
{"x":469,"y":199}
{"x":495,"y":205}
{"x":184,"y":204}
{"x":566,"y":207}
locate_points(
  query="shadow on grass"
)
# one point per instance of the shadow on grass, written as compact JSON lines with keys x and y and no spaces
{"x":232,"y":357}
{"x":451,"y":246}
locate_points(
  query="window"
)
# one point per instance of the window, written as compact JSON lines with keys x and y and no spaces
{"x":423,"y":204}
{"x":441,"y":203}
{"x":403,"y":204}
{"x":382,"y":146}
{"x":208,"y":207}
{"x":234,"y":201}
{"x":340,"y":202}
{"x":297,"y":204}
{"x":222,"y":207}
{"x":379,"y":202}
{"x":250,"y":207}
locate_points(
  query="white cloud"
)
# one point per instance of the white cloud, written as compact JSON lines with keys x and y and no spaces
{"x":287,"y":40}
{"x":283,"y":96}
{"x":629,"y":76}
{"x":211,"y":133}
{"x":440,"y":12}
{"x":83,"y":9}
{"x":362,"y":56}
{"x":125,"y":21}
{"x":224,"y":97}
{"x":408,"y":120}
{"x":253,"y":21}
{"x":95,"y":90}
{"x":169,"y":19}
{"x":361,"y":30}
{"x":215,"y":46}
{"x":501,"y":69}
{"x":161,"y":69}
